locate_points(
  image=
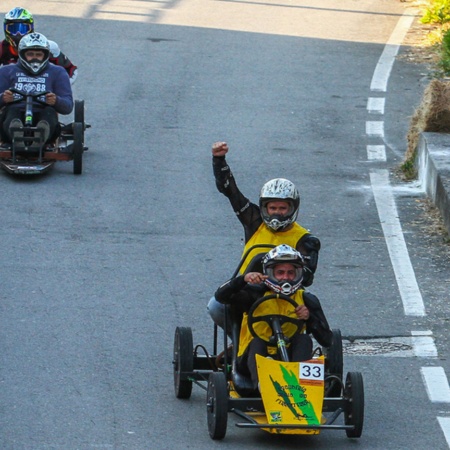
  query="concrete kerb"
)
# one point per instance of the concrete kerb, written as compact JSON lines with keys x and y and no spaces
{"x":433,"y":167}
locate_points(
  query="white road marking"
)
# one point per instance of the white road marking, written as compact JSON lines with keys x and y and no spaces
{"x":437,"y":384}
{"x":375,"y":105}
{"x":375,"y":128}
{"x":444,"y":422}
{"x":423,"y":343}
{"x":376,"y":153}
{"x":393,"y":233}
{"x":383,"y":69}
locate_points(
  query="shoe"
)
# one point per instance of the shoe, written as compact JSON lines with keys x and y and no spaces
{"x":43,"y":125}
{"x":15,"y":123}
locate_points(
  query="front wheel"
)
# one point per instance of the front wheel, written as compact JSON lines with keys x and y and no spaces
{"x":77,"y":149}
{"x":354,"y":404}
{"x":217,"y":405}
{"x":78,"y":115}
{"x":183,"y":361}
{"x":334,"y":364}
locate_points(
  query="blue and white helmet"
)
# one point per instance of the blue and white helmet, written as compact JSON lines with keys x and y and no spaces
{"x":34,"y":41}
{"x":280,"y":255}
{"x":279,"y":189}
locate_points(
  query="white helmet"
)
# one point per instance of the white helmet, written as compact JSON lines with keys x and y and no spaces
{"x":280,"y":255}
{"x":34,"y":41}
{"x":279,"y":189}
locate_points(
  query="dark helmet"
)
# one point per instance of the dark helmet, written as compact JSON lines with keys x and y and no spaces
{"x":280,"y":255}
{"x":34,"y":41}
{"x":17,"y":23}
{"x":279,"y":189}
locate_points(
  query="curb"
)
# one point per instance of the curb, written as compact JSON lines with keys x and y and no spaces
{"x":433,"y":166}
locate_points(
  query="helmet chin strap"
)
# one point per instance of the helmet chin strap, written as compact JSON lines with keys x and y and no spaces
{"x":276,"y":224}
{"x":286,"y":288}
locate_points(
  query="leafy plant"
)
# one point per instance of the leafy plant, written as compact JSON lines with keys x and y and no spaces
{"x":445,"y":53}
{"x":409,"y":169}
{"x":438,"y":12}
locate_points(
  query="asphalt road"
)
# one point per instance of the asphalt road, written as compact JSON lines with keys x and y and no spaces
{"x":99,"y":269}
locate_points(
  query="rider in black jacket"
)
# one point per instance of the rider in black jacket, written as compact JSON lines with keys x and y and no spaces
{"x":283,"y":273}
{"x":273,"y":222}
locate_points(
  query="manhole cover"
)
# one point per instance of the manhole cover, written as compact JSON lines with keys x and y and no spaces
{"x":373,"y":347}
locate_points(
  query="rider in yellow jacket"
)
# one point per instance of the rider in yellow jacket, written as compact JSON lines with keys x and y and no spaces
{"x":282,"y":273}
{"x":271,"y":223}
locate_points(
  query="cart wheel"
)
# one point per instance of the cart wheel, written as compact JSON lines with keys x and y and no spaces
{"x":335,"y":365}
{"x":183,"y":361}
{"x":78,"y":115}
{"x":217,"y":405}
{"x":354,"y":403}
{"x":77,"y":150}
{"x":79,"y":111}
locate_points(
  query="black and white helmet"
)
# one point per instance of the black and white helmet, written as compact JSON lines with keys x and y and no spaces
{"x":279,"y":255}
{"x":279,"y":189}
{"x":34,"y":41}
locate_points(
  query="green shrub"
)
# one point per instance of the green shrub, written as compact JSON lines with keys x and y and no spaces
{"x":445,"y":53}
{"x":409,"y":169}
{"x":438,"y":11}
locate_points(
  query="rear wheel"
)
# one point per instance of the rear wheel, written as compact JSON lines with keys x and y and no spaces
{"x":78,"y":115}
{"x":217,"y":405}
{"x":334,"y":366}
{"x":183,"y":361}
{"x":354,"y":404}
{"x":77,"y":149}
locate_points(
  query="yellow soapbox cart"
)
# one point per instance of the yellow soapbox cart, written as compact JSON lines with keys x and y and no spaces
{"x":292,"y":397}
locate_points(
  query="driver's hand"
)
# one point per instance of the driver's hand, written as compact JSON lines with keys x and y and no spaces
{"x":50,"y":99}
{"x":302,"y":312}
{"x":255,"y":277}
{"x":219,"y":148}
{"x":8,"y":96}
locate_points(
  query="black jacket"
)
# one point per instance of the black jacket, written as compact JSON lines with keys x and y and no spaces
{"x":249,"y":215}
{"x":237,"y":292}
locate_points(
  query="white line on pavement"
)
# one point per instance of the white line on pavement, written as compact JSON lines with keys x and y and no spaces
{"x":376,"y":153}
{"x":375,"y":105}
{"x":398,"y":252}
{"x":423,"y":344}
{"x":444,"y":422}
{"x":436,"y":383}
{"x":375,"y":128}
{"x":383,"y":69}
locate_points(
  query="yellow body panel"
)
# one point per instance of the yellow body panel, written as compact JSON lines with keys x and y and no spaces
{"x":292,"y":393}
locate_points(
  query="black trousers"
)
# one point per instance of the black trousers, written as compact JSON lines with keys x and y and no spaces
{"x":10,"y":113}
{"x":299,"y":350}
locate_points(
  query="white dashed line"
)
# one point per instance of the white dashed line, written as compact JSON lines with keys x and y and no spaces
{"x":375,"y":128}
{"x":437,"y":384}
{"x":375,"y":105}
{"x":423,"y":344}
{"x":376,"y":153}
{"x":444,"y":422}
{"x":395,"y":241}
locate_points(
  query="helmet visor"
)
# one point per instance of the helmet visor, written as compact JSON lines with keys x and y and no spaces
{"x":18,"y":28}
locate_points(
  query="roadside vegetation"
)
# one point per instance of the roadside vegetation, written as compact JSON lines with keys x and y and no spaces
{"x":433,"y":114}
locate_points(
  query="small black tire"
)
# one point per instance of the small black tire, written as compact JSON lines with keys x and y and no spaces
{"x":217,"y":405}
{"x":354,"y":404}
{"x":183,"y":362}
{"x":335,"y":365}
{"x":78,"y":115}
{"x":77,"y":149}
